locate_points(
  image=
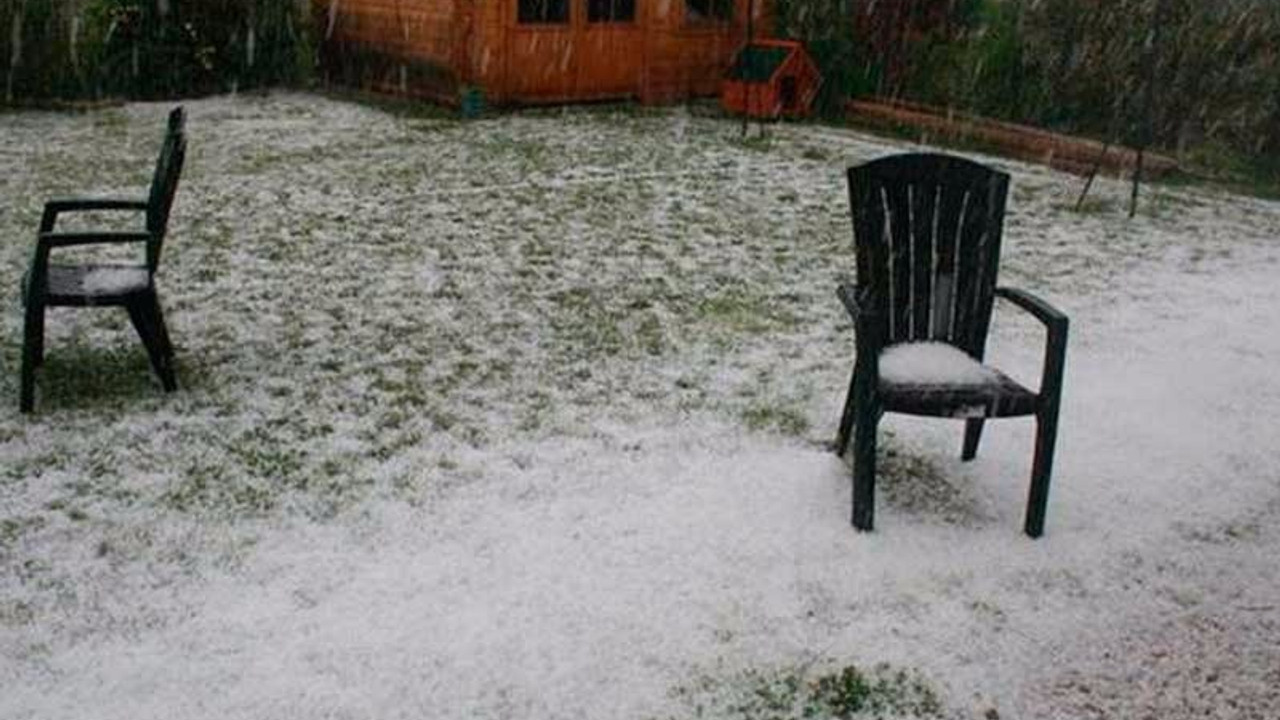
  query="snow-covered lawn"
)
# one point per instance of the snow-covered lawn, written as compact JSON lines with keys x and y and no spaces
{"x":528,"y":418}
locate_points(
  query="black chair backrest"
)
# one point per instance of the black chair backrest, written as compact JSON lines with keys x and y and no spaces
{"x":927,"y":229}
{"x":164,"y":184}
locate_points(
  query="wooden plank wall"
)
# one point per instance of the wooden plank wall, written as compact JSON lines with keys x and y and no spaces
{"x":688,"y":60}
{"x":486,"y":61}
{"x":480,"y":42}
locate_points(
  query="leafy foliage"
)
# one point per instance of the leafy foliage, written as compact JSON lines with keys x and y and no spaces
{"x":149,"y":48}
{"x":867,"y":46}
{"x":1215,"y":71}
{"x":1078,"y":66}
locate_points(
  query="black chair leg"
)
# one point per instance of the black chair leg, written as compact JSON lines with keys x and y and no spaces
{"x":1041,"y":469}
{"x":972,"y":436}
{"x":165,"y":346}
{"x":846,"y":416}
{"x":138,"y":317}
{"x":144,"y":314}
{"x":38,"y":337}
{"x":864,"y":467}
{"x":32,"y":347}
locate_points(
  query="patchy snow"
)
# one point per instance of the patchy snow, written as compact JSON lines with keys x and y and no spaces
{"x":115,"y":279}
{"x":931,"y":363}
{"x":528,"y":417}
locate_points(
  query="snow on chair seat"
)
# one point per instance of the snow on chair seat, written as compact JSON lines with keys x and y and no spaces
{"x":934,"y":378}
{"x":94,"y":283}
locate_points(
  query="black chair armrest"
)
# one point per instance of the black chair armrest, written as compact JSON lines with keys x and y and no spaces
{"x":865,"y":326}
{"x":1056,"y":325}
{"x":53,"y":208}
{"x":50,"y":240}
{"x":1043,"y":311}
{"x":851,"y":295}
{"x":33,"y":288}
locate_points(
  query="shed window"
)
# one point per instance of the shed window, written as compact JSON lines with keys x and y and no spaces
{"x":704,"y":11}
{"x":543,"y":11}
{"x":611,"y":10}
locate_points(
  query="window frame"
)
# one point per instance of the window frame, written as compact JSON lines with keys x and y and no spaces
{"x":613,"y":4}
{"x":543,"y":21}
{"x":711,"y":20}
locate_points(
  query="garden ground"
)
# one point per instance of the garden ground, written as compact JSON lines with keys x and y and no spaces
{"x":528,"y":417}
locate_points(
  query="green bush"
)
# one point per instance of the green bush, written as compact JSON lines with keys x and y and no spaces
{"x":37,"y":55}
{"x":826,"y":28}
{"x":70,"y":49}
{"x":1072,"y":65}
{"x":869,"y":47}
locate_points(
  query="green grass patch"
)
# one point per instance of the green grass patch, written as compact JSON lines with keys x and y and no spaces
{"x":768,"y":417}
{"x":918,"y":486}
{"x":737,"y":311}
{"x":1094,"y":205}
{"x":802,"y":693}
{"x":206,"y":485}
{"x":12,"y":529}
{"x":586,"y":327}
{"x":82,"y":376}
{"x":762,"y":142}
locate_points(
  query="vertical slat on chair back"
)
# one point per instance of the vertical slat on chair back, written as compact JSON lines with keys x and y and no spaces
{"x":928,"y":230}
{"x":164,"y":184}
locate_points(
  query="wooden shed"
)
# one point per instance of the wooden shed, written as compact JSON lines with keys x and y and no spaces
{"x":536,"y":51}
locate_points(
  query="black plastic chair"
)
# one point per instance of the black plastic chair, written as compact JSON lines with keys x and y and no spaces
{"x":101,"y":285}
{"x":927,"y":229}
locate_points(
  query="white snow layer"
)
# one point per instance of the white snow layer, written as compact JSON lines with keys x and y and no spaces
{"x":528,"y":417}
{"x":931,"y":363}
{"x":115,"y":279}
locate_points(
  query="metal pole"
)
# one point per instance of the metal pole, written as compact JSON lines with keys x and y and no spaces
{"x":746,"y":49}
{"x":1148,"y":99}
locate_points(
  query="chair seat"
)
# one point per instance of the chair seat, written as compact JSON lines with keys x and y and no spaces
{"x":95,"y":284}
{"x":934,"y":378}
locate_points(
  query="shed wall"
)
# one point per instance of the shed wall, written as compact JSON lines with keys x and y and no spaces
{"x":659,"y":57}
